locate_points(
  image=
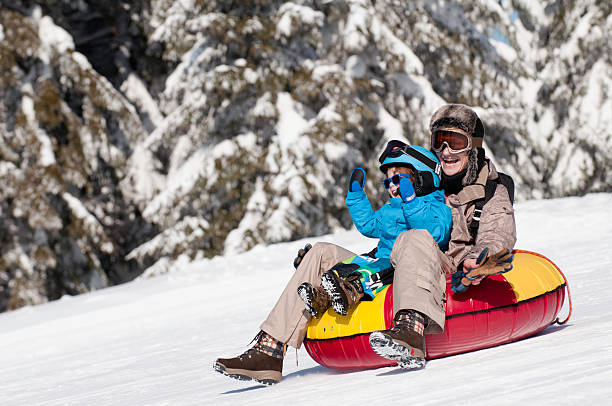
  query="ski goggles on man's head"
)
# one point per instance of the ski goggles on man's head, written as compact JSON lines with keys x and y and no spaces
{"x":455,"y":141}
{"x":395,"y":179}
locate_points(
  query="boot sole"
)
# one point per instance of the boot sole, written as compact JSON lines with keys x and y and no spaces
{"x":264,"y":377}
{"x":333,"y":289}
{"x":384,"y":346}
{"x":305,"y":293}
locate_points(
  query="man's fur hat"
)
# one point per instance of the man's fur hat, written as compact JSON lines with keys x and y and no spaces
{"x":461,"y":117}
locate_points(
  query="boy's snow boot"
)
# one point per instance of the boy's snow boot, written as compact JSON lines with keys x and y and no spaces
{"x":345,"y":293}
{"x":262,"y":363}
{"x":404,"y":342}
{"x":316,"y":299}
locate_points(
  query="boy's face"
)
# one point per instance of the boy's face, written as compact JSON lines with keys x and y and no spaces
{"x":394,"y":170}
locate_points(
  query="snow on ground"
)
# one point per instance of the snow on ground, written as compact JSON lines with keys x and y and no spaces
{"x":154,"y":341}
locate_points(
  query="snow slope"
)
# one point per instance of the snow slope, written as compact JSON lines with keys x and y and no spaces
{"x":153,"y":341}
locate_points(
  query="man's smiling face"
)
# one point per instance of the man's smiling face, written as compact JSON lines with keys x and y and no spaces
{"x":451,"y":163}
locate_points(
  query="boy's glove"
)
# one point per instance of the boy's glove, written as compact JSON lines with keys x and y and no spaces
{"x":300,"y":255}
{"x":406,"y":189}
{"x":357,"y":181}
{"x":486,"y":265}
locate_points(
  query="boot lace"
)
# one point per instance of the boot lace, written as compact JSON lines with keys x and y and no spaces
{"x":266,"y":344}
{"x":410,"y":320}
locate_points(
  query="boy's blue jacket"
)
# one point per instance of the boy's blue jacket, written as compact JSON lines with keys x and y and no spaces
{"x":427,"y":212}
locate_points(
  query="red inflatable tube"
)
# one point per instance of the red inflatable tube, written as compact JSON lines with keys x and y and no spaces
{"x":503,"y":308}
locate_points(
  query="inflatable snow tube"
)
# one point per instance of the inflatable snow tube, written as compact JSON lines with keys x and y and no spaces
{"x":503,"y":308}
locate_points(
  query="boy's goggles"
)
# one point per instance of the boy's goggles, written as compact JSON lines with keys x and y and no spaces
{"x":455,"y":141}
{"x":393,"y":149}
{"x":395,"y":179}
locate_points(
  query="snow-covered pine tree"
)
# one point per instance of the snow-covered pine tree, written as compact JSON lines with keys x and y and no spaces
{"x":144,"y":133}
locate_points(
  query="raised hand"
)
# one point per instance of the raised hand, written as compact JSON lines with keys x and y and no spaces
{"x":357,"y":181}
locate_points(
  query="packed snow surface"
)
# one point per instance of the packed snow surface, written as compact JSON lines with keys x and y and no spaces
{"x":153,"y":341}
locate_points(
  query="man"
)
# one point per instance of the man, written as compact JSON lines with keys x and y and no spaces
{"x":419,"y":282}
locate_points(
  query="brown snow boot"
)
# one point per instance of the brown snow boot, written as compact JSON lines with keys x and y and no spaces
{"x":405,"y":342}
{"x":345,"y":293}
{"x":316,"y":299}
{"x":262,"y":363}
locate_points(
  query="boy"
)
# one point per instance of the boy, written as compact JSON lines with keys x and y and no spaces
{"x":416,"y":201}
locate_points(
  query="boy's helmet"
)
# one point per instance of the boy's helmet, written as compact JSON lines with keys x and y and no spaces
{"x":422,"y":160}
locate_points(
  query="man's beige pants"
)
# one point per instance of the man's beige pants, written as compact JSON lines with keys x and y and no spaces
{"x":419,"y":283}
